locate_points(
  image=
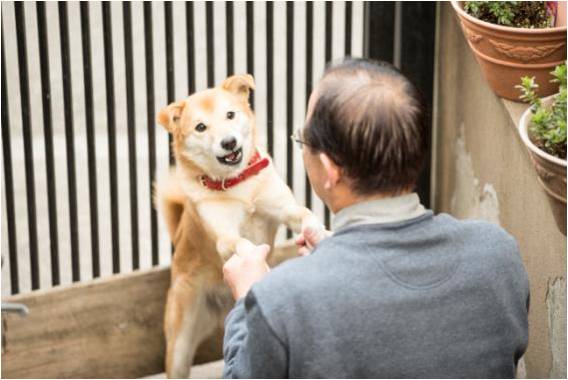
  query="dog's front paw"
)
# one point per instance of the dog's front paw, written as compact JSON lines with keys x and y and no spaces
{"x":294,"y":217}
{"x":226,"y":247}
{"x":313,"y":230}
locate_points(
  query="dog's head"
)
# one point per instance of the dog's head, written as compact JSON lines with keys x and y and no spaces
{"x":213,"y":130}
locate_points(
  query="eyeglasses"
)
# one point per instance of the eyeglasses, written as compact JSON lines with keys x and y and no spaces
{"x":297,"y":138}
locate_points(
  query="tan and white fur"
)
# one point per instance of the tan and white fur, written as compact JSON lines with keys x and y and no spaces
{"x":205,"y":225}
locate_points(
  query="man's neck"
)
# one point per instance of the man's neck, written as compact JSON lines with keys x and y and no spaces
{"x":379,"y":210}
{"x":346,"y":198}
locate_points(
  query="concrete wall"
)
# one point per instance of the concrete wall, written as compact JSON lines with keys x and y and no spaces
{"x":481,"y":170}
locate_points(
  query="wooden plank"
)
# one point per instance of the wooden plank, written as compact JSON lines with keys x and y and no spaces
{"x":106,"y":328}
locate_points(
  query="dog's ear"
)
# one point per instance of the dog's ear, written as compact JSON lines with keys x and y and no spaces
{"x":239,"y":85}
{"x":170,"y":115}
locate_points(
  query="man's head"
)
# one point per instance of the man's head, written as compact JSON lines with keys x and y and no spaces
{"x":366,"y":133}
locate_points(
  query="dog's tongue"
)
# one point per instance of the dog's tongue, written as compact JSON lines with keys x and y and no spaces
{"x":232,"y":156}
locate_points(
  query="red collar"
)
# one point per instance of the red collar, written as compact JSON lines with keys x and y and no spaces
{"x":255,"y":165}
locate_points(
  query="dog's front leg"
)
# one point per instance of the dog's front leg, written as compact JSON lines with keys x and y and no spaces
{"x":223,"y":219}
{"x":279,"y":203}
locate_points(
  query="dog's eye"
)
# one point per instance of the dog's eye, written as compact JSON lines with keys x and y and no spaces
{"x":230,"y":115}
{"x":200,"y":127}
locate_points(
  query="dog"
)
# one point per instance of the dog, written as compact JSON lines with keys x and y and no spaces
{"x":223,"y":189}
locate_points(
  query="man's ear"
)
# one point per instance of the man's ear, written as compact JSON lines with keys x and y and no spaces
{"x":170,"y":115}
{"x":332,"y":171}
{"x":239,"y":85}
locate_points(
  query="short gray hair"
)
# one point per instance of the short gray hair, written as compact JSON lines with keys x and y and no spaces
{"x":371,"y":121}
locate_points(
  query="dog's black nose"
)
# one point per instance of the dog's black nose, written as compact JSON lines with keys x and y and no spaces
{"x":229,"y":143}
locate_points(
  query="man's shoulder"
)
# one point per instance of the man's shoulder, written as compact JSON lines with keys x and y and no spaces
{"x":436,"y":225}
{"x":288,"y":276}
{"x":473,"y":237}
{"x":482,"y":227}
{"x":487,"y":246}
{"x":485,"y":234}
{"x":288,"y":285}
{"x":472,"y":227}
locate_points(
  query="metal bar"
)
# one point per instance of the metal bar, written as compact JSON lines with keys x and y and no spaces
{"x":210,"y":44}
{"x":9,"y":180}
{"x":289,"y":98}
{"x":309,"y":79}
{"x":328,"y":47}
{"x":289,"y":93}
{"x":150,"y":99}
{"x":328,"y":30}
{"x":229,"y":35}
{"x":18,"y":308}
{"x":417,"y":62}
{"x":270,"y":77}
{"x":250,"y":44}
{"x":69,"y":138}
{"x":348,"y":27}
{"x":397,"y":34}
{"x":111,"y":131}
{"x":48,"y":140}
{"x":91,"y":145}
{"x":189,"y":26}
{"x":170,"y":76}
{"x":380,"y":32}
{"x":131,"y":128}
{"x":28,"y":143}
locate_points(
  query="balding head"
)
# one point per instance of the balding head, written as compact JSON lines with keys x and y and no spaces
{"x":370,"y":120}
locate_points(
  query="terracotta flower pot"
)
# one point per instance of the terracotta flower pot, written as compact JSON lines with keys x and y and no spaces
{"x":505,"y":54}
{"x":551,"y":171}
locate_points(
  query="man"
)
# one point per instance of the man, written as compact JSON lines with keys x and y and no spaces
{"x":396,"y":291}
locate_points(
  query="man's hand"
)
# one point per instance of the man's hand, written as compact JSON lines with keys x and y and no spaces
{"x":312,"y":233}
{"x":246,"y":267}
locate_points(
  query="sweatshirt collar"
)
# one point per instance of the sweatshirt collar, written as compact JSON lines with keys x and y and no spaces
{"x":385,"y":210}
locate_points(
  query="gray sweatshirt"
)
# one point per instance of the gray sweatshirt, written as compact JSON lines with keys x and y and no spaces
{"x":424,"y":297}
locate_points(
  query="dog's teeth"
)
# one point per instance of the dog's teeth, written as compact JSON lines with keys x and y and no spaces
{"x":231,"y":158}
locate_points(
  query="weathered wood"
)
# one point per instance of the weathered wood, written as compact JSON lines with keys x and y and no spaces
{"x":109,"y":328}
{"x":106,"y":328}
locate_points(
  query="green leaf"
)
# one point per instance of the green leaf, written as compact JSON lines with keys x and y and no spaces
{"x":548,"y":123}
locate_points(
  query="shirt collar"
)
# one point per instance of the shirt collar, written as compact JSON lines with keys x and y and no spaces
{"x":385,"y":210}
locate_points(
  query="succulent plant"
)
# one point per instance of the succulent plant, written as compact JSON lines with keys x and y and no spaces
{"x":548,"y":122}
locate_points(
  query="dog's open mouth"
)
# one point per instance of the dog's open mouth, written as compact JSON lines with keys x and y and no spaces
{"x":233,"y":158}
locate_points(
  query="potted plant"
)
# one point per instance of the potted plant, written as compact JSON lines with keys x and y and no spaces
{"x":511,"y":39}
{"x":543,"y":131}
